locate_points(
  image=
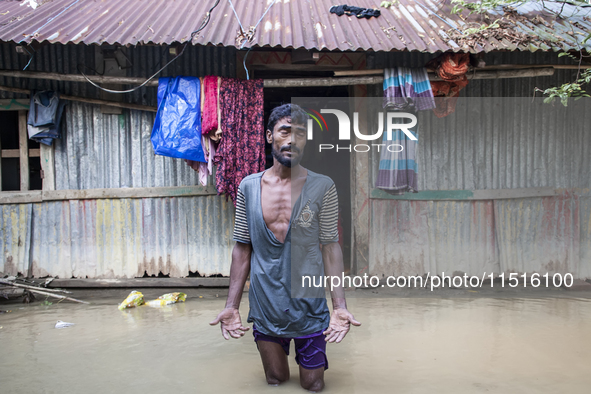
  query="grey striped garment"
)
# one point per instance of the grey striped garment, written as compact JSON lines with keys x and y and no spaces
{"x":328,"y":218}
{"x":279,"y":304}
{"x":241,"y":233}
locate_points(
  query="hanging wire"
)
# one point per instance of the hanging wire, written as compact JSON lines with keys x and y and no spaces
{"x":204,"y":23}
{"x":261,"y":18}
{"x":235,"y":14}
{"x":51,"y":19}
{"x":46,"y":23}
{"x":31,"y":58}
{"x":252,"y":31}
{"x":244,"y":64}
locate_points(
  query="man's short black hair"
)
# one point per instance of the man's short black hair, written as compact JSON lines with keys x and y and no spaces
{"x":297,"y":114}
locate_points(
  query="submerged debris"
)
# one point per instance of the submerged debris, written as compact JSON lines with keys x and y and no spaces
{"x":135,"y":298}
{"x":63,"y":324}
{"x":167,"y":299}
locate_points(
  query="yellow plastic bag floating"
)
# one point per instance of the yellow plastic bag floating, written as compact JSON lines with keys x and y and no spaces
{"x":166,"y":299}
{"x":135,"y":298}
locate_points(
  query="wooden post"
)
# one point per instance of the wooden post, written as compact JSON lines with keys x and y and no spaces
{"x":360,"y":203}
{"x":43,"y":292}
{"x":86,"y":100}
{"x":282,"y":82}
{"x":47,"y":155}
{"x":23,"y":140}
{"x":77,"y":77}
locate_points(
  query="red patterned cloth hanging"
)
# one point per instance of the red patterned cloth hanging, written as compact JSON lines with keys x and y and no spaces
{"x":242,"y":148}
{"x":452,"y":68}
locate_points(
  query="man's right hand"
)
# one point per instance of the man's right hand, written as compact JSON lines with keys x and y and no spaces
{"x":231,"y":323}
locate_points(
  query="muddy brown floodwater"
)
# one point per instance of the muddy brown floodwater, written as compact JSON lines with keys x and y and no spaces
{"x":406,"y":345}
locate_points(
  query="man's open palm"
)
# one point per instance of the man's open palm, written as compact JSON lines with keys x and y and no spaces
{"x":340,"y":323}
{"x":231,"y":323}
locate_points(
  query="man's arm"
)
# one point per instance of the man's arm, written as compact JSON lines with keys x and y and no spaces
{"x":341,"y":319}
{"x":231,"y":324}
{"x":332,"y":256}
{"x":333,"y":266}
{"x":239,"y":271}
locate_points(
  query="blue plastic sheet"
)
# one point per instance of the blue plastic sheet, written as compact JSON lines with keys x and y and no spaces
{"x":177,"y":127}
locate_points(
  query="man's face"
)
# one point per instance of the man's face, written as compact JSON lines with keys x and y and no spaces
{"x":287,"y":142}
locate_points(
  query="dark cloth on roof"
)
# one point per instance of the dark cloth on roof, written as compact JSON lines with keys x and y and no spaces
{"x":352,"y":10}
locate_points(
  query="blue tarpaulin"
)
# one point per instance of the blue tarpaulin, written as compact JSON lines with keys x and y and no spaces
{"x":177,"y":127}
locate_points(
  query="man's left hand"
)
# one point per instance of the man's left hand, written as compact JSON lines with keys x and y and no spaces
{"x":340,"y":323}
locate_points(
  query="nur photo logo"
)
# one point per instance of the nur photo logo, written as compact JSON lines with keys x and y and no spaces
{"x":397,"y":126}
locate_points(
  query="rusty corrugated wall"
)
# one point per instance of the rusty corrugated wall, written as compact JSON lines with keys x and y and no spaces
{"x":493,"y":144}
{"x":111,"y":151}
{"x":416,"y":237}
{"x":15,"y":224}
{"x":116,"y":238}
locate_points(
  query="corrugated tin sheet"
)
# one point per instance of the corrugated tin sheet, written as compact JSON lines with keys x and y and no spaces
{"x":543,"y":235}
{"x":144,"y":62}
{"x":50,"y":58}
{"x":15,"y":223}
{"x":112,"y":151}
{"x":416,"y":237}
{"x":504,"y":143}
{"x":408,"y":25}
{"x":118,"y":238}
{"x":493,"y":143}
{"x":585,"y":238}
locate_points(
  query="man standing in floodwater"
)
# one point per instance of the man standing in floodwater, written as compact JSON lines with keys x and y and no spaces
{"x":283,"y":215}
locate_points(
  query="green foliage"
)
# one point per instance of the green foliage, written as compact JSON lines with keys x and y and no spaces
{"x":568,"y":90}
{"x":564,"y":92}
{"x":480,"y":7}
{"x":481,"y":28}
{"x":563,"y":54}
{"x":388,"y":4}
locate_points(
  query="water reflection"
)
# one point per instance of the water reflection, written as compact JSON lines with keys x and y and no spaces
{"x":410,"y":345}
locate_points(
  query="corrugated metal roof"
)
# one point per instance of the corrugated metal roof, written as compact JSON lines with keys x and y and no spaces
{"x":408,"y":25}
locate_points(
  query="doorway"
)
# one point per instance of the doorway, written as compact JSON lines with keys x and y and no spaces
{"x":339,"y":168}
